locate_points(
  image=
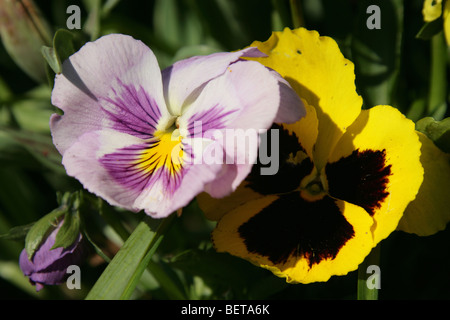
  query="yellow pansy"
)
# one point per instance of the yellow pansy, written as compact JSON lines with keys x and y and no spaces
{"x":345,"y":175}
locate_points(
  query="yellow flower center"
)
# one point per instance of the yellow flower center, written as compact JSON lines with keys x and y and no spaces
{"x":164,"y":150}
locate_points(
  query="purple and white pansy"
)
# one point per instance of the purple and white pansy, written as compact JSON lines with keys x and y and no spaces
{"x":133,"y":134}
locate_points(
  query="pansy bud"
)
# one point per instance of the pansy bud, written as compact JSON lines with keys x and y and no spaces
{"x":48,"y":265}
{"x":54,"y":243}
{"x":24,"y":31}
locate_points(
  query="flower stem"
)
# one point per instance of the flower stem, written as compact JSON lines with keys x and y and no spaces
{"x":281,"y":17}
{"x":438,"y":83}
{"x":296,"y":13}
{"x":366,"y":289}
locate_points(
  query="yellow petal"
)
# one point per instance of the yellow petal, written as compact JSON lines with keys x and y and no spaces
{"x":446,"y":17}
{"x":306,"y":129}
{"x":429,"y":212}
{"x":319,"y":73}
{"x":432,"y":9}
{"x":298,"y":240}
{"x":215,"y":208}
{"x":385,"y":174}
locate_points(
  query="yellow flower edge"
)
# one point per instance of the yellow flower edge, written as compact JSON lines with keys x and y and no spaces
{"x":316,"y":69}
{"x":226,"y":238}
{"x":429,"y":213}
{"x":384,"y":128}
{"x":447,"y":22}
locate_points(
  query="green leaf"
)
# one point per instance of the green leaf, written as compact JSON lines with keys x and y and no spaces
{"x":167,"y":22}
{"x":168,"y":280}
{"x":69,"y":205}
{"x":222,"y":271}
{"x":69,"y":231}
{"x":437,"y":131}
{"x":63,"y":48}
{"x":23,"y":145}
{"x":10,"y":271}
{"x":17,"y":233}
{"x":109,"y":6}
{"x":122,"y":274}
{"x":40,"y":230}
{"x":429,"y":29}
{"x":63,"y":43}
{"x":92,"y":25}
{"x":437,"y":93}
{"x":376,"y":52}
{"x":49,"y":55}
{"x":23,"y":30}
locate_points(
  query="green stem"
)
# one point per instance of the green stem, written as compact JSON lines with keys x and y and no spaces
{"x":364,"y":290}
{"x":122,"y":274}
{"x":281,"y":17}
{"x":296,"y":13}
{"x":164,"y":280}
{"x":438,"y":80}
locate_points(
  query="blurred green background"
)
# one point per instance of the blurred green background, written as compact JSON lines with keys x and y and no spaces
{"x":392,"y":66}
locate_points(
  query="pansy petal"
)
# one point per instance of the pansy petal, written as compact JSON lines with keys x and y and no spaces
{"x":246,"y":96}
{"x":159,"y":203}
{"x":376,"y":166}
{"x":319,"y":73}
{"x":446,"y":16}
{"x":216,"y":208}
{"x":306,"y":130}
{"x":429,"y":212}
{"x":184,"y":79}
{"x":300,"y":240}
{"x":106,"y":84}
{"x":82,"y":160}
{"x":432,"y":9}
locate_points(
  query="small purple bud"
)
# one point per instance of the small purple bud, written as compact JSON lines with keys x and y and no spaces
{"x":47,"y":266}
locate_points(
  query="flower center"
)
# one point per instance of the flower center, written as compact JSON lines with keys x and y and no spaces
{"x":165,"y":149}
{"x":313,"y":186}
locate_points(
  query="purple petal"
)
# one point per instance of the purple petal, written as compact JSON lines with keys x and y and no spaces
{"x":291,"y":106}
{"x":183,"y":79}
{"x":48,"y":278}
{"x":133,"y":111}
{"x":214,"y":118}
{"x":193,"y":183}
{"x":246,"y":96}
{"x":129,"y":168}
{"x":25,"y":264}
{"x":82,"y":160}
{"x":103,"y":82}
